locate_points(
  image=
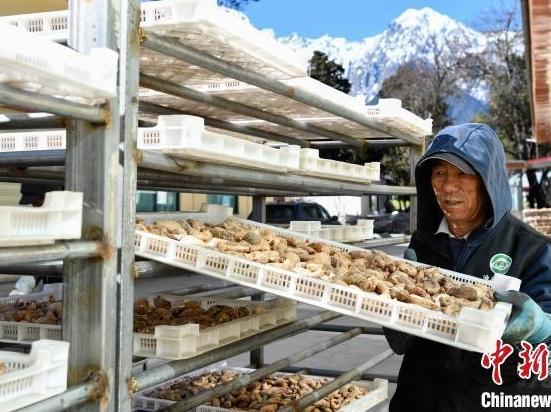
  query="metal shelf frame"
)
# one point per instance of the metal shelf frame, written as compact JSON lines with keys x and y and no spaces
{"x":103,"y":162}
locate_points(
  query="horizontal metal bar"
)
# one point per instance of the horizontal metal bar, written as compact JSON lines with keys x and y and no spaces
{"x":236,"y":107}
{"x":55,"y":173}
{"x":370,"y":143}
{"x":149,"y":177}
{"x":174,"y":369}
{"x":193,"y":290}
{"x":231,"y":292}
{"x":33,"y":158}
{"x":385,"y":241}
{"x":34,"y":269}
{"x":21,"y":99}
{"x":226,"y":175}
{"x":246,"y":379}
{"x":45,"y":253}
{"x":221,"y":124}
{"x":336,"y":383}
{"x":330,"y":373}
{"x":367,"y":330}
{"x":74,"y":396}
{"x":34,"y":123}
{"x":214,"y":189}
{"x":178,"y":50}
{"x":149,"y":269}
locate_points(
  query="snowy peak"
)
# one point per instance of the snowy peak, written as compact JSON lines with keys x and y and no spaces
{"x":427,"y":18}
{"x":414,"y":35}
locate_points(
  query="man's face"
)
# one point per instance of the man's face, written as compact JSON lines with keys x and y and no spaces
{"x":460,"y":195}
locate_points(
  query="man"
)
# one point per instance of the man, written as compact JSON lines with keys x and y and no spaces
{"x":464,"y":224}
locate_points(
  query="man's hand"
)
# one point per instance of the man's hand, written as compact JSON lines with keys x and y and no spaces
{"x":528,"y":321}
{"x":400,"y":342}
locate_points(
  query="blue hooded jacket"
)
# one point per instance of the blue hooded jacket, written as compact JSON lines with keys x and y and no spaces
{"x":440,"y":378}
{"x":480,"y":147}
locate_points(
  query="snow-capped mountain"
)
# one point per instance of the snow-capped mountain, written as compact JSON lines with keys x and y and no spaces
{"x":415,"y":34}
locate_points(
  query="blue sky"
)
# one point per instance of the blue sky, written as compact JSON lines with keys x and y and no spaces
{"x":352,"y":19}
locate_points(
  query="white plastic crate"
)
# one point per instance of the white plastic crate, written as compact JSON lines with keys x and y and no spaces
{"x":198,"y":23}
{"x":182,"y":135}
{"x":25,"y":332}
{"x":40,"y":65}
{"x":401,"y":125}
{"x":60,"y":217}
{"x":224,"y":33}
{"x":213,"y":214}
{"x":52,"y":25}
{"x":312,"y":164}
{"x":347,"y":233}
{"x":378,"y":392}
{"x":32,"y":140}
{"x":50,"y":289}
{"x":185,"y":341}
{"x":33,"y":377}
{"x":472,"y":329}
{"x":389,"y":112}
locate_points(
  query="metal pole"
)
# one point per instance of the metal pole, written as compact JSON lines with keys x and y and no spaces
{"x":415,"y":153}
{"x":48,"y":253}
{"x":149,"y":269}
{"x":334,"y":373}
{"x":232,"y":292}
{"x":218,"y":176}
{"x":188,"y":54}
{"x":50,"y":122}
{"x":214,"y":189}
{"x":246,"y":379}
{"x":174,"y":369}
{"x":328,"y":327}
{"x":236,"y":107}
{"x":387,"y":241}
{"x":128,"y":110}
{"x":335,"y":384}
{"x":371,"y":144}
{"x":256,"y":357}
{"x":74,"y":396}
{"x":221,"y":124}
{"x":92,"y":167}
{"x":21,"y":99}
{"x":259,"y":209}
{"x":194,"y":290}
{"x":193,"y":182}
{"x":34,"y":269}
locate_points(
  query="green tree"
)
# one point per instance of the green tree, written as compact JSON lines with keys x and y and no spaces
{"x":328,"y":72}
{"x":332,"y":74}
{"x":503,"y":69}
{"x":234,"y":4}
{"x":422,"y":92}
{"x":424,"y":87}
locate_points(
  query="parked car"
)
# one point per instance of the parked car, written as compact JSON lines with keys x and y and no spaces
{"x":284,"y":213}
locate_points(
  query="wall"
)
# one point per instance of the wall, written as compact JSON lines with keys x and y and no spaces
{"x":11,"y":7}
{"x":9,"y":194}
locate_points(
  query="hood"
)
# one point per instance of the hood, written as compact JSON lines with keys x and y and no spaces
{"x":479,"y":146}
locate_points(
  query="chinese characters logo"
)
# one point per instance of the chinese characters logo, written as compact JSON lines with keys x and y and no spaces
{"x":533,"y":360}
